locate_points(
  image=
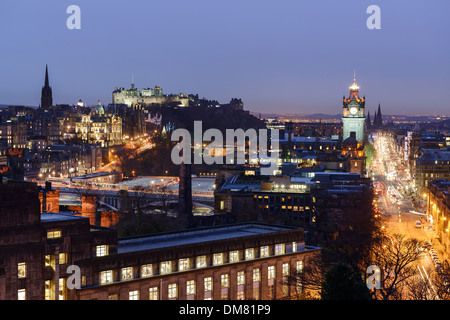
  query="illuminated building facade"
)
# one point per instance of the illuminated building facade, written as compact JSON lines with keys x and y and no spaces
{"x":431,"y":165}
{"x":438,"y":211}
{"x":147,"y":96}
{"x":106,"y":130}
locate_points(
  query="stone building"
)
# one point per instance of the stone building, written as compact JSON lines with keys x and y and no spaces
{"x":147,"y":97}
{"x":40,"y":250}
{"x":438,"y":212}
{"x":35,"y":248}
{"x":431,"y":165}
{"x":13,"y":134}
{"x":106,"y":130}
{"x":133,"y":119}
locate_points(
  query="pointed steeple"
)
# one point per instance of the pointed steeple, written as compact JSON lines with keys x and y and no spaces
{"x":46,"y":94}
{"x":46,"y":76}
{"x":380,"y":117}
{"x":375,"y":119}
{"x":368,"y":122}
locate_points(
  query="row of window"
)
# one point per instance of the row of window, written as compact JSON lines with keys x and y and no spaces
{"x":173,"y":293}
{"x":286,"y":208}
{"x":185,"y":264}
{"x":49,"y":288}
{"x":49,"y":261}
{"x":282,"y":199}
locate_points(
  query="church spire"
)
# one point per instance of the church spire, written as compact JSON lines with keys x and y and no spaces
{"x":46,"y":76}
{"x":46,"y":94}
{"x":379,"y":116}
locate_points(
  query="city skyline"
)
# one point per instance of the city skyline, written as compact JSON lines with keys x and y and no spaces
{"x":229,"y":151}
{"x":297,"y":58}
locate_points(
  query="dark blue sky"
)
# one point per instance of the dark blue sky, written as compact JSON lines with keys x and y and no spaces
{"x":286,"y":56}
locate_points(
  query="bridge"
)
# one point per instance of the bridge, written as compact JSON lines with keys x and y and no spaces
{"x":115,"y":199}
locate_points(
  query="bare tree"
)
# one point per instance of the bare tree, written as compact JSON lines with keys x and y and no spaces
{"x":397,"y":257}
{"x":420,"y":286}
{"x":440,"y":282}
{"x":306,"y":284}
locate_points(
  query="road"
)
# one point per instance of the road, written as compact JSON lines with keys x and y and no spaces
{"x":138,"y":146}
{"x":396,"y":207}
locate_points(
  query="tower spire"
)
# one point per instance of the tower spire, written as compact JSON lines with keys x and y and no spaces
{"x":46,"y":94}
{"x":46,"y":76}
{"x":380,"y":117}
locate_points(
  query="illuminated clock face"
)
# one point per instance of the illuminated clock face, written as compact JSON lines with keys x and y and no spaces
{"x":353,"y":110}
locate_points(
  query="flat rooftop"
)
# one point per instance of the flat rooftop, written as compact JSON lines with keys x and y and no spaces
{"x":195,"y":236}
{"x":62,"y":216}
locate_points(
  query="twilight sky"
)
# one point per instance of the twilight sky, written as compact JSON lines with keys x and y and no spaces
{"x":285,"y":56}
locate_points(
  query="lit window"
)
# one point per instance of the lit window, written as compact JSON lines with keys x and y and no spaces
{"x":62,"y":258}
{"x":22,"y":270}
{"x":271,"y":272}
{"x":21,"y":294}
{"x":153,"y":293}
{"x":101,"y":251}
{"x":279,"y":248}
{"x":190,"y":287}
{"x":264,"y":251}
{"x":133,"y":295}
{"x":52,"y":234}
{"x":256,"y":275}
{"x":256,"y":293}
{"x":173,"y":291}
{"x":48,"y":292}
{"x":234,"y":256}
{"x":208,"y":284}
{"x":201,"y":262}
{"x":241,"y":278}
{"x":249,"y":254}
{"x":166,"y":267}
{"x":146,"y":271}
{"x":224,"y":280}
{"x":106,"y":277}
{"x":127,"y":273}
{"x":217,"y":259}
{"x":183,"y":264}
{"x":285,"y":269}
{"x":62,"y":288}
{"x":294,"y":246}
{"x":299,"y":266}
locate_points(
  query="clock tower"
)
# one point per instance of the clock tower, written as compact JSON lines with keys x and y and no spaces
{"x":353,"y":116}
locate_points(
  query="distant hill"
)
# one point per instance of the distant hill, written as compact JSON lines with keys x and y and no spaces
{"x":221,"y":118}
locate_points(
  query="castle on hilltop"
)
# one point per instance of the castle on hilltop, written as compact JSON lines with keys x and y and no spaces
{"x":148,"y":96}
